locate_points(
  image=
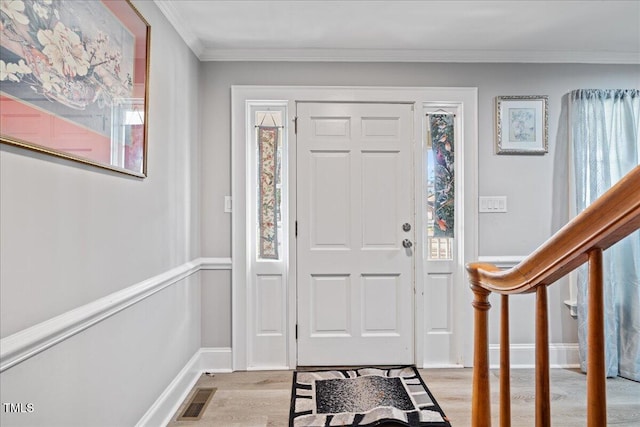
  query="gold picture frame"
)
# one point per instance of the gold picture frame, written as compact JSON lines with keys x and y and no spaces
{"x":74,"y":82}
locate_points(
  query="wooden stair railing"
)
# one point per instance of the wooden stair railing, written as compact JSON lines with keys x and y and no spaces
{"x":612,"y":217}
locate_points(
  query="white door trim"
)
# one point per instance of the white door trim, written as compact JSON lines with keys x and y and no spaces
{"x":466,"y":97}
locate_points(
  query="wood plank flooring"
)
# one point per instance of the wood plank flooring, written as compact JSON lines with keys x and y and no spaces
{"x":261,"y":398}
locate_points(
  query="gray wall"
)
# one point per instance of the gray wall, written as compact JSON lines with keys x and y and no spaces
{"x":527,"y":181}
{"x":73,"y":233}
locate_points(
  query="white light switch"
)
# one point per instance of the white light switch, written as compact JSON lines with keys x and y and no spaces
{"x":227,"y":204}
{"x":493,"y":204}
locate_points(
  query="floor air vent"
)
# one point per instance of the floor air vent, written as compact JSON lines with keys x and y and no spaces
{"x":197,"y":404}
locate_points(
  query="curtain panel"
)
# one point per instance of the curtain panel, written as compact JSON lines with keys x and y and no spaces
{"x":604,"y":127}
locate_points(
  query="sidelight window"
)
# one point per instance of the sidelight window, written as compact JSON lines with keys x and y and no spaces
{"x":440,"y":197}
{"x":269,"y":142}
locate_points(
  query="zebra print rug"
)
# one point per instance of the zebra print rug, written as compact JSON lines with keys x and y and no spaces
{"x":363,"y":397}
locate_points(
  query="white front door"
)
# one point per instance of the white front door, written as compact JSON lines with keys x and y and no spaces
{"x":355,"y":192}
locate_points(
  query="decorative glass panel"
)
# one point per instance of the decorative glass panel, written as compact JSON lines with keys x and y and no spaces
{"x":269,"y":146}
{"x":440,"y":186}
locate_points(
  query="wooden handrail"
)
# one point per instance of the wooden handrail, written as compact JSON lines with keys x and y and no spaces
{"x":612,"y":217}
{"x":609,"y":219}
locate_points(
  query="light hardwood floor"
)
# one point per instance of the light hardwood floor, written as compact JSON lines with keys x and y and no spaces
{"x":258,"y":399}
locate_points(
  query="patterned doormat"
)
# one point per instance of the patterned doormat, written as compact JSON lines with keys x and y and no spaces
{"x":363,"y":397}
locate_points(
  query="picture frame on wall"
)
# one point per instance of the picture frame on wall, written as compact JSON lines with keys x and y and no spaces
{"x":522,"y":124}
{"x":74,"y":81}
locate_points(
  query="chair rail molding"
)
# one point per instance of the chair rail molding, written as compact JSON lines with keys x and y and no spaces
{"x":502,"y":261}
{"x":29,"y":342}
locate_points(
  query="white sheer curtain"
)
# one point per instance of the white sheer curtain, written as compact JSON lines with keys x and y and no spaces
{"x":605,"y":139}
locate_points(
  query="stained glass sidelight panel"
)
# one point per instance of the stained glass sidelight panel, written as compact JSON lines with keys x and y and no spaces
{"x":440,"y":186}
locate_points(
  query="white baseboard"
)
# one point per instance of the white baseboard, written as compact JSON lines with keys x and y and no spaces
{"x":561,"y":355}
{"x":160,"y":413}
{"x":440,"y":366}
{"x":216,"y":359}
{"x":204,"y":360}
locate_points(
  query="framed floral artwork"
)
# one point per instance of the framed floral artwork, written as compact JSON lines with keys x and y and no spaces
{"x":74,"y":80}
{"x":522,"y":124}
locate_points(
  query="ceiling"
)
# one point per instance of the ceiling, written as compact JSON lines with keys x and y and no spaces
{"x":419,"y":30}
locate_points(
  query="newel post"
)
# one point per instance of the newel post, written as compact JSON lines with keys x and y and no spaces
{"x":480,"y":397}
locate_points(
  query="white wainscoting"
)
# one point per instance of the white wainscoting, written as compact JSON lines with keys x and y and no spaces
{"x":27,"y":343}
{"x":208,"y":360}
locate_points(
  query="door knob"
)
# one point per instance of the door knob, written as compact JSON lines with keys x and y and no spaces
{"x":407,"y":243}
{"x":406,"y":227}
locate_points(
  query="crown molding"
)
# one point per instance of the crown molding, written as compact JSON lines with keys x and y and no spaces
{"x":419,"y":55}
{"x":169,"y":10}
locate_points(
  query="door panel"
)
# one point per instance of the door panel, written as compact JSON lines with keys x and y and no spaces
{"x":380,"y":200}
{"x":380,"y":304}
{"x":355,"y":191}
{"x":330,"y":305}
{"x":269,"y":305}
{"x":330,"y":200}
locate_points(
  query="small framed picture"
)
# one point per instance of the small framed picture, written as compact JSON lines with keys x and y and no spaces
{"x":522,"y":124}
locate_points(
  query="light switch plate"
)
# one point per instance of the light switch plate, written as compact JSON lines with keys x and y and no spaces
{"x":493,"y":204}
